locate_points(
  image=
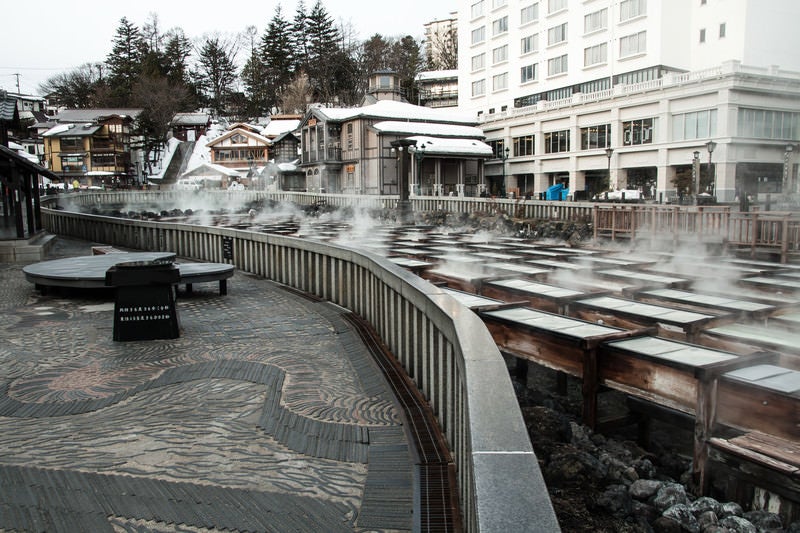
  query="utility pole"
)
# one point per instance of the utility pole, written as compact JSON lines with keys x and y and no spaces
{"x":17,"y":75}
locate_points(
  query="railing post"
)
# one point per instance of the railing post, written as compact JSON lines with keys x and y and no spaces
{"x":754,"y":238}
{"x":785,"y":240}
{"x":595,"y":219}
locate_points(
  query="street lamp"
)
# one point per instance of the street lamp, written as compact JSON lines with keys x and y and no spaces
{"x":503,"y":157}
{"x":419,"y":154}
{"x":710,"y":145}
{"x":609,"y":151}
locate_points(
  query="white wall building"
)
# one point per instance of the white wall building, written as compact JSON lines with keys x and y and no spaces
{"x":623,"y":93}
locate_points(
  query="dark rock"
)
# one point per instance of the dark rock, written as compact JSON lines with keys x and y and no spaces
{"x":764,"y":520}
{"x":707,"y":519}
{"x":570,"y":467}
{"x":737,"y":524}
{"x":615,"y":501}
{"x":643,"y":513}
{"x":705,"y":504}
{"x":669,"y":495}
{"x":644,"y":468}
{"x":683,"y":515}
{"x":665,"y":524}
{"x":731,"y":509}
{"x":644,"y":489}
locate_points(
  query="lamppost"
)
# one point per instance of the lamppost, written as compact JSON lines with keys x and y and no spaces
{"x":695,"y":173}
{"x":503,"y":157}
{"x":419,"y":154}
{"x":710,"y":145}
{"x":609,"y":151}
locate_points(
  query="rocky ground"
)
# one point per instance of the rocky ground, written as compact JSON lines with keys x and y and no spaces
{"x":608,"y":483}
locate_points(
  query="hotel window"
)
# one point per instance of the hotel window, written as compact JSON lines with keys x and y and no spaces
{"x":557,"y":34}
{"x":498,"y":3}
{"x":595,"y":21}
{"x":478,"y":35}
{"x":500,"y":82}
{"x":500,"y":26}
{"x":595,"y":137}
{"x":529,"y":44}
{"x":497,"y":147}
{"x":523,"y":145}
{"x":71,"y":144}
{"x":722,"y":30}
{"x":768,"y":124}
{"x":595,"y":55}
{"x":478,"y":61}
{"x":477,"y":9}
{"x":529,"y":14}
{"x":633,"y":44}
{"x":629,"y":9}
{"x":479,"y":88}
{"x":500,"y":54}
{"x":557,"y":65}
{"x":556,"y":142}
{"x":636,"y":132}
{"x":556,"y":5}
{"x":703,"y":35}
{"x":527,"y":73}
{"x":695,"y":125}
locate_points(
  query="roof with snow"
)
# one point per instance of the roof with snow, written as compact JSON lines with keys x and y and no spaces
{"x":71,"y":130}
{"x":247,"y":133}
{"x":191,"y":119}
{"x":92,"y":115}
{"x":450,"y":146}
{"x":437,"y":75}
{"x":427,"y":128}
{"x":210,"y":170}
{"x":277,"y":127}
{"x":393,"y":110}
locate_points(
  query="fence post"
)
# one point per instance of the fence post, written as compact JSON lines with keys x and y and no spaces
{"x":595,"y":219}
{"x":785,"y":240}
{"x":754,"y":238}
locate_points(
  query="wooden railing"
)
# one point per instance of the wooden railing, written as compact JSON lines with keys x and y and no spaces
{"x":443,"y":347}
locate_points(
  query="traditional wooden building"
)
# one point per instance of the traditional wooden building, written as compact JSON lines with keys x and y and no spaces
{"x":190,"y":126}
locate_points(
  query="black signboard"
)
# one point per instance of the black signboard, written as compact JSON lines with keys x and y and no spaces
{"x":227,"y":248}
{"x":144,"y":308}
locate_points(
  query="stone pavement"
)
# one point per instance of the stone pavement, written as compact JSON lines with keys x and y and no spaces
{"x":266,"y":414}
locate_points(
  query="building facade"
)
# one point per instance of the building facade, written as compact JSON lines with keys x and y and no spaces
{"x":669,"y":97}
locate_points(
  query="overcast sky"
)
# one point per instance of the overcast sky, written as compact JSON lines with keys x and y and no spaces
{"x":47,"y":37}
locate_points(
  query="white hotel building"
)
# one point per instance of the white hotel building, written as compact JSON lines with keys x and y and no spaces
{"x":599,"y":94}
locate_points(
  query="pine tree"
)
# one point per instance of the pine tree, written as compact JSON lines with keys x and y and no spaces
{"x":125,"y":61}
{"x":299,"y":37}
{"x":279,"y":62}
{"x":406,"y":60}
{"x":325,"y":58}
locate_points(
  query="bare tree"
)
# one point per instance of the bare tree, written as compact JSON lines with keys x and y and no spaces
{"x":297,"y":95}
{"x":443,"y":50}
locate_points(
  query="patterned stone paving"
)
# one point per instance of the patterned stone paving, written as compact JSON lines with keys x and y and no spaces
{"x":266,"y":414}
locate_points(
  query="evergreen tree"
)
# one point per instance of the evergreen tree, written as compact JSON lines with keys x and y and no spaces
{"x":217,"y":71}
{"x":325,"y":58}
{"x":374,"y":56}
{"x":299,"y":37}
{"x":125,"y":62}
{"x":277,"y":56}
{"x":406,"y":60}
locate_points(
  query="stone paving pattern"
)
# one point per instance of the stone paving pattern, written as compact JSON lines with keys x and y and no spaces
{"x":266,"y":414}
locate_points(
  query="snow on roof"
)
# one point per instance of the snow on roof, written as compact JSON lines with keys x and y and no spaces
{"x":90,"y":115}
{"x":210,"y":169}
{"x":276,"y":127}
{"x":437,"y":74}
{"x":191,"y":119}
{"x":71,"y":130}
{"x":390,"y":109}
{"x":243,"y":131}
{"x":426,"y":128}
{"x":450,"y":146}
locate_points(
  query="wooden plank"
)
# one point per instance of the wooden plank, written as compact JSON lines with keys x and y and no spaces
{"x":731,"y":448}
{"x":784,"y":450}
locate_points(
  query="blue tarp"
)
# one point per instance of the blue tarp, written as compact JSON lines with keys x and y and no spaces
{"x":556,"y":192}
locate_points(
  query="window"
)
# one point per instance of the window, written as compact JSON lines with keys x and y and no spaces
{"x":529,"y":44}
{"x":523,"y":145}
{"x":349,"y":134}
{"x":478,"y":61}
{"x":500,"y":26}
{"x":500,"y":82}
{"x":238,"y":139}
{"x":479,"y":35}
{"x":636,"y":132}
{"x":500,"y":54}
{"x":498,"y":3}
{"x":71,"y":144}
{"x":722,"y":30}
{"x":556,"y":142}
{"x":527,"y":73}
{"x":695,"y":125}
{"x":703,"y":35}
{"x":529,"y":13}
{"x":629,"y":9}
{"x":477,"y":9}
{"x":633,"y":44}
{"x":595,"y":55}
{"x":478,"y":88}
{"x":557,"y":65}
{"x":556,"y":5}
{"x":497,"y":147}
{"x":595,"y":137}
{"x":595,"y":21}
{"x":768,"y":124}
{"x":557,"y":34}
